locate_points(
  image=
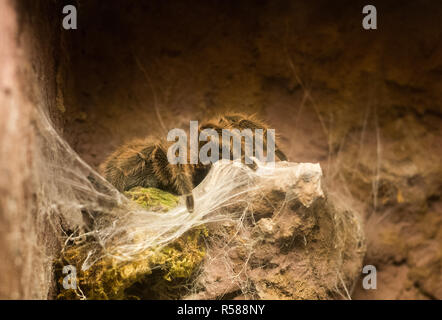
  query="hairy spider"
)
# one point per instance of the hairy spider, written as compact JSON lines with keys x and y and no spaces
{"x":144,"y":162}
{"x":240,"y":121}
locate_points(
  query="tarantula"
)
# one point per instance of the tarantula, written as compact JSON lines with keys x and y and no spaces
{"x":239,"y":121}
{"x":143,"y":162}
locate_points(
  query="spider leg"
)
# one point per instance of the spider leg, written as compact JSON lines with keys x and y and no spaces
{"x":190,"y":203}
{"x":177,"y":175}
{"x":227,"y":123}
{"x":254,"y":124}
{"x":253,"y":165}
{"x":281,"y":155}
{"x":249,"y":162}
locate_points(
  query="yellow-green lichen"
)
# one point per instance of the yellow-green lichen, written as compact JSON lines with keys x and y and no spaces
{"x":160,"y":273}
{"x":152,"y":198}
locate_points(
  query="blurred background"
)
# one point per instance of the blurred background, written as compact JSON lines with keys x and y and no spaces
{"x":365,"y":104}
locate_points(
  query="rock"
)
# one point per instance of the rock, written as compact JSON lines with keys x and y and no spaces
{"x":294,"y":242}
{"x":274,"y":235}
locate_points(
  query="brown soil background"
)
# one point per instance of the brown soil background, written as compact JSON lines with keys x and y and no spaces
{"x":366,"y":105}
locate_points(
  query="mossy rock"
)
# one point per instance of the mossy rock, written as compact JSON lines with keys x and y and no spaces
{"x":152,"y":198}
{"x":161,"y":273}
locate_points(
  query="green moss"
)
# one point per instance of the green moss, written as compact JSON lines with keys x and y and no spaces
{"x":160,"y":273}
{"x":152,"y":198}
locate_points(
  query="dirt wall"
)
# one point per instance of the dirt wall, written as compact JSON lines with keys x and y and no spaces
{"x":364,"y":104}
